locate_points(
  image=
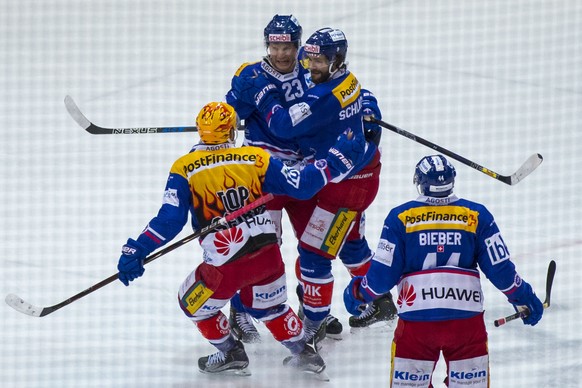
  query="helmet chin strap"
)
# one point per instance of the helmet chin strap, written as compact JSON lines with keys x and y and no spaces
{"x":341,"y":66}
{"x":233,"y":136}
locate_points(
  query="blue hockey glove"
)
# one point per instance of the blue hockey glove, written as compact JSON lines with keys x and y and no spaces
{"x":524,"y":296}
{"x":370,"y":107}
{"x":130,"y":264}
{"x":351,"y":301}
{"x":347,"y":152}
{"x":256,"y":90}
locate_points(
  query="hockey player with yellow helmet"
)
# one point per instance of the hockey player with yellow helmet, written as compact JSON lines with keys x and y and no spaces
{"x":214,"y":179}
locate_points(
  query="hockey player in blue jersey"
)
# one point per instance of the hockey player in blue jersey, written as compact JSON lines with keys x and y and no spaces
{"x":282,"y":38}
{"x":335,"y":224}
{"x":431,"y":249}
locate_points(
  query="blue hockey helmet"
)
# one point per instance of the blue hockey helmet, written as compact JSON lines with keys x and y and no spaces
{"x":282,"y":29}
{"x":434,"y":176}
{"x":330,"y":42}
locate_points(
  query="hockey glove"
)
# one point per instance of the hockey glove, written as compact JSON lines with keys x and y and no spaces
{"x":370,"y":107}
{"x":347,"y":152}
{"x":351,"y":300}
{"x":130,"y":264}
{"x":256,"y":90}
{"x":524,"y":297}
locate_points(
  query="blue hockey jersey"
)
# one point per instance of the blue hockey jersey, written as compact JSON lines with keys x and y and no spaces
{"x":293,"y":86}
{"x":321,"y":115}
{"x":432,"y":249}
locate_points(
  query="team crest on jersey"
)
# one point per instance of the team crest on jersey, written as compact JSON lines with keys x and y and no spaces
{"x":291,"y":175}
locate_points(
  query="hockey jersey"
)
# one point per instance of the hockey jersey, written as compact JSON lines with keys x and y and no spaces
{"x":214,"y":180}
{"x":432,"y":248}
{"x":327,"y":110}
{"x":257,"y":133}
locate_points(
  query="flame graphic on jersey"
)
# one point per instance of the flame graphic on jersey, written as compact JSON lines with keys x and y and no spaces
{"x":407,"y":295}
{"x":223,"y":240}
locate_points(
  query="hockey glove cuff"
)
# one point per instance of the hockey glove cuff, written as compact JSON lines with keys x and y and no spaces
{"x":372,"y":131}
{"x":351,"y":296}
{"x":130,"y":264}
{"x":347,"y":152}
{"x":524,"y":297}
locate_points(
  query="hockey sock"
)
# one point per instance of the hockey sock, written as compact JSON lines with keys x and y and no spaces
{"x":287,"y":329}
{"x":217,"y":331}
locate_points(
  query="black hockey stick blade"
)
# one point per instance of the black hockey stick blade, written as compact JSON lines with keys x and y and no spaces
{"x":549,"y":282}
{"x":93,"y":129}
{"x":526,"y":168}
{"x":26,"y":308}
{"x":525,"y":313}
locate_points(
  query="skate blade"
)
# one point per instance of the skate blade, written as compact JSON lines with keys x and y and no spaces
{"x":230,"y":372}
{"x":320,"y":376}
{"x":251,"y":340}
{"x":243,"y":372}
{"x":335,"y":337}
{"x":377,"y":324}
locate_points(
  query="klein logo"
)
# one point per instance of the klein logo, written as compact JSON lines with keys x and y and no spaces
{"x":272,"y":294}
{"x":474,"y":374}
{"x":411,"y":376}
{"x":407,"y":295}
{"x":225,"y":238}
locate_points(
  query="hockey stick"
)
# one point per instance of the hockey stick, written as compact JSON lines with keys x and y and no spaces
{"x":80,"y":118}
{"x":526,"y":168}
{"x":94,"y":129}
{"x":525,"y":313}
{"x":20,"y":305}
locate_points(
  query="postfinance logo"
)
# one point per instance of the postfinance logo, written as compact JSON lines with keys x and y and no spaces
{"x":348,"y":91}
{"x":439,"y":217}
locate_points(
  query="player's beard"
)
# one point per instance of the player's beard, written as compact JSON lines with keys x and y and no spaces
{"x":319,"y":77}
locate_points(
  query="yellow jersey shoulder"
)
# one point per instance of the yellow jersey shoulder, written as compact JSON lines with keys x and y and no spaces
{"x":348,"y":91}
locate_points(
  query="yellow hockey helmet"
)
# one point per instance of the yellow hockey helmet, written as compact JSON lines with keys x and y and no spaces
{"x":217,"y":123}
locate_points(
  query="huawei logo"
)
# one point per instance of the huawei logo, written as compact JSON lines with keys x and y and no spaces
{"x":407,"y":295}
{"x":223,"y":240}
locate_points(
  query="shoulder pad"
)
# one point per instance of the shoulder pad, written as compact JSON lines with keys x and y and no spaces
{"x":247,"y":66}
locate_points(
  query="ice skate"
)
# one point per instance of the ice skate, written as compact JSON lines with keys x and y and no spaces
{"x":309,"y":362}
{"x":242,"y":327}
{"x":234,"y":361}
{"x":380,"y":310}
{"x":333,"y":327}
